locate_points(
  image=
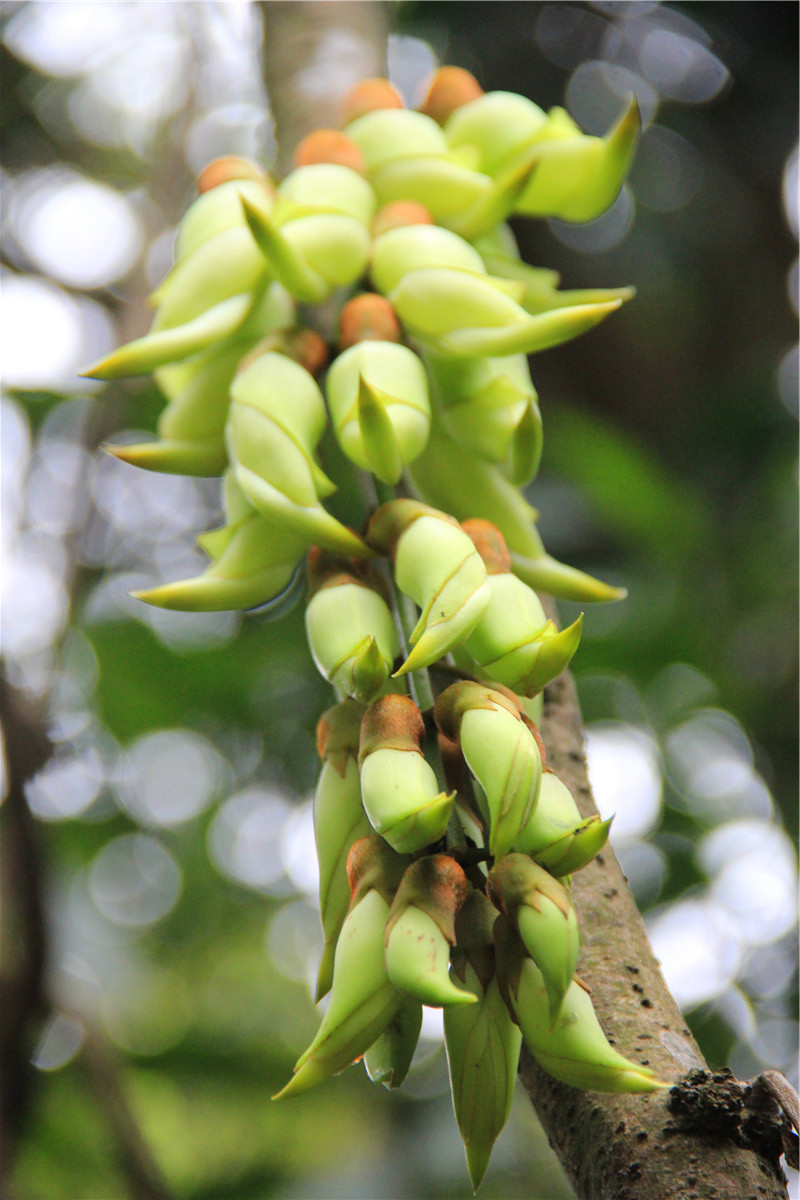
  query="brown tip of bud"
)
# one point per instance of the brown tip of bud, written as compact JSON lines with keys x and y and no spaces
{"x":338,"y":732}
{"x":329,"y":146}
{"x":367,"y":96}
{"x":223,"y":170}
{"x":490,"y":544}
{"x":449,"y":88}
{"x":392,"y":722}
{"x":368,"y":318}
{"x":398,"y":213}
{"x":305,"y":346}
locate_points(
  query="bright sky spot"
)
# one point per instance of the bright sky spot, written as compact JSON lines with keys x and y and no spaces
{"x":244,"y":839}
{"x":168,"y":777}
{"x":134,"y":880}
{"x":625,"y":774}
{"x":46,"y":335}
{"x":697,"y":945}
{"x":79,"y":232}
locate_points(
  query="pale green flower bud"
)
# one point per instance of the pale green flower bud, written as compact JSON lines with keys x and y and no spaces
{"x":499,"y":124}
{"x":412,"y":247}
{"x":191,"y":429}
{"x":436,"y":302}
{"x":225,"y":265}
{"x":540,"y":909}
{"x":339,"y":820}
{"x":362,"y":1003}
{"x":513,"y":642}
{"x":420,"y":930}
{"x":556,"y":836}
{"x":482,"y":1042}
{"x":378,"y":400}
{"x":399,"y":788}
{"x":324,"y":188}
{"x":516,"y":334}
{"x":436,"y":565}
{"x":501,"y":752}
{"x":318,"y":237}
{"x":254,"y":561}
{"x":478,"y":489}
{"x":489,"y":406}
{"x":388,"y":1059}
{"x":276,"y":418}
{"x":576,"y":1050}
{"x":446,"y":187}
{"x":350,"y":627}
{"x":387,"y":134}
{"x":218,"y":209}
{"x":578,"y":177}
{"x":145,"y":354}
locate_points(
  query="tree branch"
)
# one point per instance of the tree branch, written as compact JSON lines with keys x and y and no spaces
{"x":640,"y":1147}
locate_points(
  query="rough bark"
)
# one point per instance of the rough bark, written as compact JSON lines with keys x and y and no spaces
{"x":705,"y":1138}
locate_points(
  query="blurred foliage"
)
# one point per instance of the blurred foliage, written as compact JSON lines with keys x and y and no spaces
{"x":670,"y":463}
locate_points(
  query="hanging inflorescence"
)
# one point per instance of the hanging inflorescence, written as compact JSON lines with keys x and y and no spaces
{"x":445,"y":843}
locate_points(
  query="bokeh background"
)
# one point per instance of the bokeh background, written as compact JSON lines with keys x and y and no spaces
{"x":170,"y":839}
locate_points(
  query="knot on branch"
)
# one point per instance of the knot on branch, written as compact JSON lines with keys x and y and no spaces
{"x":759,"y":1115}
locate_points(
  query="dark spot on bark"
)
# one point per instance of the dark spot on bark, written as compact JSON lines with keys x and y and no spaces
{"x":641,"y":1135}
{"x":646,"y":1003}
{"x":691,"y":1180}
{"x":620,"y":1128}
{"x":715,"y":1106}
{"x":637,"y":987}
{"x":635,"y":1170}
{"x":633,"y":970}
{"x":610,"y":894}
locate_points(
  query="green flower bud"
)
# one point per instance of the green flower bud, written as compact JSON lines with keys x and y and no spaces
{"x":436,"y":303}
{"x":478,"y":489}
{"x":501,"y":753}
{"x":218,"y":209}
{"x":350,"y":628}
{"x":513,"y":642}
{"x":555,"y":836}
{"x":489,"y":406}
{"x":517,"y":334}
{"x":225,"y":265}
{"x":339,"y":820}
{"x":277,"y":416}
{"x":324,"y":188}
{"x":362,"y":1002}
{"x":420,"y":931}
{"x":283,"y":258}
{"x":191,"y":429}
{"x":496,"y":203}
{"x":413,"y":247}
{"x":575,"y":1050}
{"x":436,"y":565}
{"x":388,"y":134}
{"x":378,"y":400}
{"x":499,"y":124}
{"x":446,"y":188}
{"x":540,"y":909}
{"x":254,"y":561}
{"x":482,"y":1042}
{"x":399,"y":789}
{"x":144,"y":354}
{"x":388,"y":1059}
{"x":578,"y":177}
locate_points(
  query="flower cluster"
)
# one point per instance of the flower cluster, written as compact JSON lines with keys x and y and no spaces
{"x":445,"y":843}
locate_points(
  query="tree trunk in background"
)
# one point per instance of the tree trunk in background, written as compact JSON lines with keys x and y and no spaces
{"x":313,"y":54}
{"x":611,"y":1147}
